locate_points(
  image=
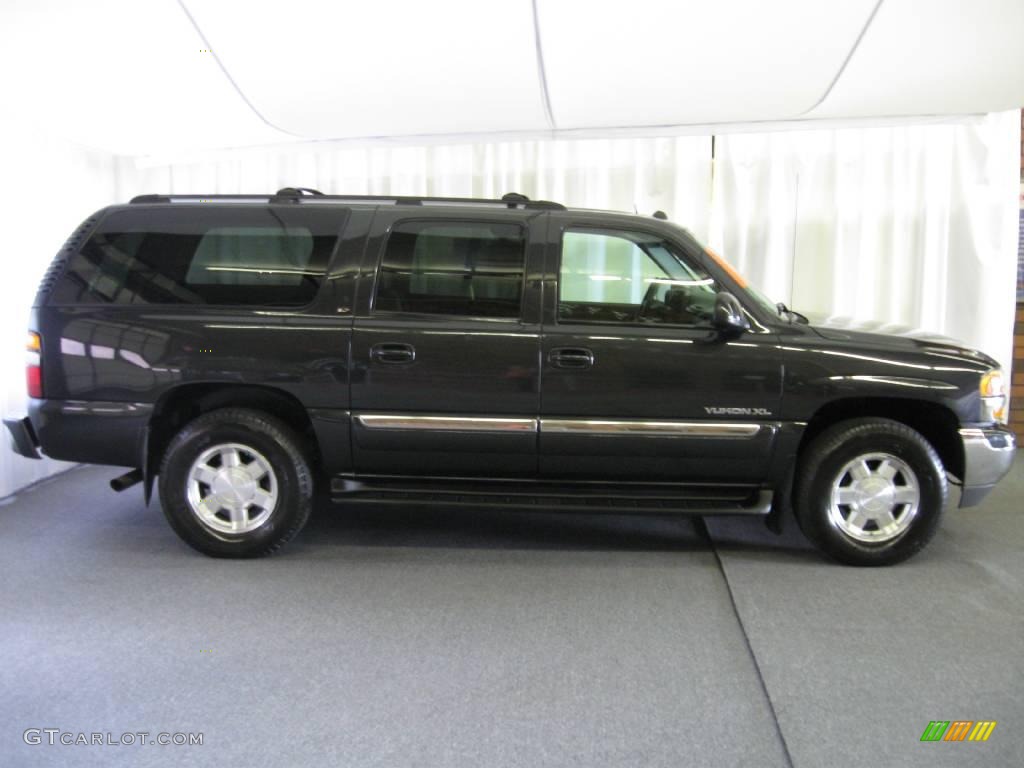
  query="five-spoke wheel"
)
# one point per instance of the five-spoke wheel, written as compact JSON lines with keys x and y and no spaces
{"x":235,"y":482}
{"x":874,"y":497}
{"x":869,"y":491}
{"x":232,"y":488}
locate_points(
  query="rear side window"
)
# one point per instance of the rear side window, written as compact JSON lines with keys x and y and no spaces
{"x":202,"y":255}
{"x":453,"y":268}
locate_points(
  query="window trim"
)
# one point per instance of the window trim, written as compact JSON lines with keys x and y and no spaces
{"x":372,"y":310}
{"x":592,"y":228}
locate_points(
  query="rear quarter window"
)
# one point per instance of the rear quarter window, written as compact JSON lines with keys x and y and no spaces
{"x":202,"y":255}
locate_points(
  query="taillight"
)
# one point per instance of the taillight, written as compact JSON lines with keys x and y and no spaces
{"x":34,"y":365}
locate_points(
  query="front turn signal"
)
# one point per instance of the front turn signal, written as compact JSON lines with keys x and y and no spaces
{"x":993,"y":397}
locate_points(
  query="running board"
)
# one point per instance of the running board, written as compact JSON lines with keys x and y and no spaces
{"x":542,"y":496}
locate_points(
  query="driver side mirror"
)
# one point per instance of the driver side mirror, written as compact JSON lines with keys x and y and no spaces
{"x":728,"y":315}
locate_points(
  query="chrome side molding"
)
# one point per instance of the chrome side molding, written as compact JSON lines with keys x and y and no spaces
{"x":609,"y":427}
{"x":648,"y":428}
{"x":447,"y":423}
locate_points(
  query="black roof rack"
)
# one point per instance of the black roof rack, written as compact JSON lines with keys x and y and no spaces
{"x":304,"y":194}
{"x":298,"y":192}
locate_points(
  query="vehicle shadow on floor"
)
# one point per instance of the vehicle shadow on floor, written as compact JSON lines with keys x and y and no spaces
{"x":488,"y":528}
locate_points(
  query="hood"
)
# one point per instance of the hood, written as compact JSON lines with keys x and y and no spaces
{"x":894,"y":336}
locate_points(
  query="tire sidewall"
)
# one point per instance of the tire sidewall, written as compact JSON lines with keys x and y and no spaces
{"x":292,"y":498}
{"x":815,"y":494}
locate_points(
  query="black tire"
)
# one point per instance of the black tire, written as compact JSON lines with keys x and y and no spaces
{"x":281,"y":448}
{"x":821,"y":467}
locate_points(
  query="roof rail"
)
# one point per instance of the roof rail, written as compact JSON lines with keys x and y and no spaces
{"x":306,"y":195}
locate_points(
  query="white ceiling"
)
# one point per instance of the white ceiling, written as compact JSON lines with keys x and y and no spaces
{"x":646,"y":62}
{"x":139,"y":77}
{"x":922,"y":57}
{"x":324,"y":69}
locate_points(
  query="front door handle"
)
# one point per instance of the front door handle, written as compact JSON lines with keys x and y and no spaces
{"x":393,"y":354}
{"x":571,"y":357}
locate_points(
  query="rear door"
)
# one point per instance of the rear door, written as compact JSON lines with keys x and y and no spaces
{"x":637,"y":383}
{"x":445,"y":378}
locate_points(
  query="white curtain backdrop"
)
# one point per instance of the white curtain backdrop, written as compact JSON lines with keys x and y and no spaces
{"x":673,"y":174}
{"x":902,"y":225}
{"x":907,"y":226}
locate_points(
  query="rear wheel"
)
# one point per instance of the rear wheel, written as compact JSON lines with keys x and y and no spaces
{"x":235,"y":483}
{"x":870,"y":491}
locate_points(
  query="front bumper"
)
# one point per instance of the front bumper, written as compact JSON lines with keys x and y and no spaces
{"x":23,"y":437}
{"x":988,"y":456}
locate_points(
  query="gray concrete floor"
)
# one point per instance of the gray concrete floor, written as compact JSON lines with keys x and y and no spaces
{"x":487,"y":639}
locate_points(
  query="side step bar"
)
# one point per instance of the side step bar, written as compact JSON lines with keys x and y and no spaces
{"x":556,"y":497}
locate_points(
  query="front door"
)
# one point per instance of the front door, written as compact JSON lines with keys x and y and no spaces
{"x":445,"y":380}
{"x":637,"y":385}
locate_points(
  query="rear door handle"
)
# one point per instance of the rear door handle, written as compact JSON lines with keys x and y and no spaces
{"x":393,"y":354}
{"x":571,"y":357}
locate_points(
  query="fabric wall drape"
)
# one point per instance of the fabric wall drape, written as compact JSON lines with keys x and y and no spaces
{"x":673,"y":174}
{"x":910,"y":225}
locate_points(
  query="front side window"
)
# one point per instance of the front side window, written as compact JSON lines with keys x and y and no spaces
{"x":453,"y":268}
{"x":611,"y":276}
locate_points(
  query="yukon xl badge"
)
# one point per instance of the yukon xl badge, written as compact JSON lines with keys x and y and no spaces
{"x":717,"y":411}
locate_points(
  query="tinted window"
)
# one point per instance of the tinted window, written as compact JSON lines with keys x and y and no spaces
{"x":631,"y":277}
{"x":453,"y":268}
{"x":179,"y":255}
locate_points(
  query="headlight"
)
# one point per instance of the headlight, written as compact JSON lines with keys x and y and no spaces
{"x":993,"y":396}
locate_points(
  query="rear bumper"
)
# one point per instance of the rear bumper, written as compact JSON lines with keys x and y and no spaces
{"x":90,"y":432}
{"x":23,"y":437}
{"x":988,"y":456}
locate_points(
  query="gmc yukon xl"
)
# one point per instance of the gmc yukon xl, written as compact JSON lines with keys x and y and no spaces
{"x":237,"y":351}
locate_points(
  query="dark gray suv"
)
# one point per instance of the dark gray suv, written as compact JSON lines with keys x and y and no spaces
{"x":512,"y":353}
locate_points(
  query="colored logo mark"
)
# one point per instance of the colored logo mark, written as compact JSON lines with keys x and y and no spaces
{"x":958,"y":730}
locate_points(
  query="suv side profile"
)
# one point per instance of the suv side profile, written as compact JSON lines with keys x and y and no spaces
{"x":241,"y":350}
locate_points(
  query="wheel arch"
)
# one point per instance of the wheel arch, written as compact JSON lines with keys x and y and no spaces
{"x":181,"y":404}
{"x":936,"y":423}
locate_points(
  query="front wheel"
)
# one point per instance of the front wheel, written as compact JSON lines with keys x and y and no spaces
{"x":236,"y":483}
{"x":870,"y":491}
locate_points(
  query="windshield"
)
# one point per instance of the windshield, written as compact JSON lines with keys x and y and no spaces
{"x":762,"y":301}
